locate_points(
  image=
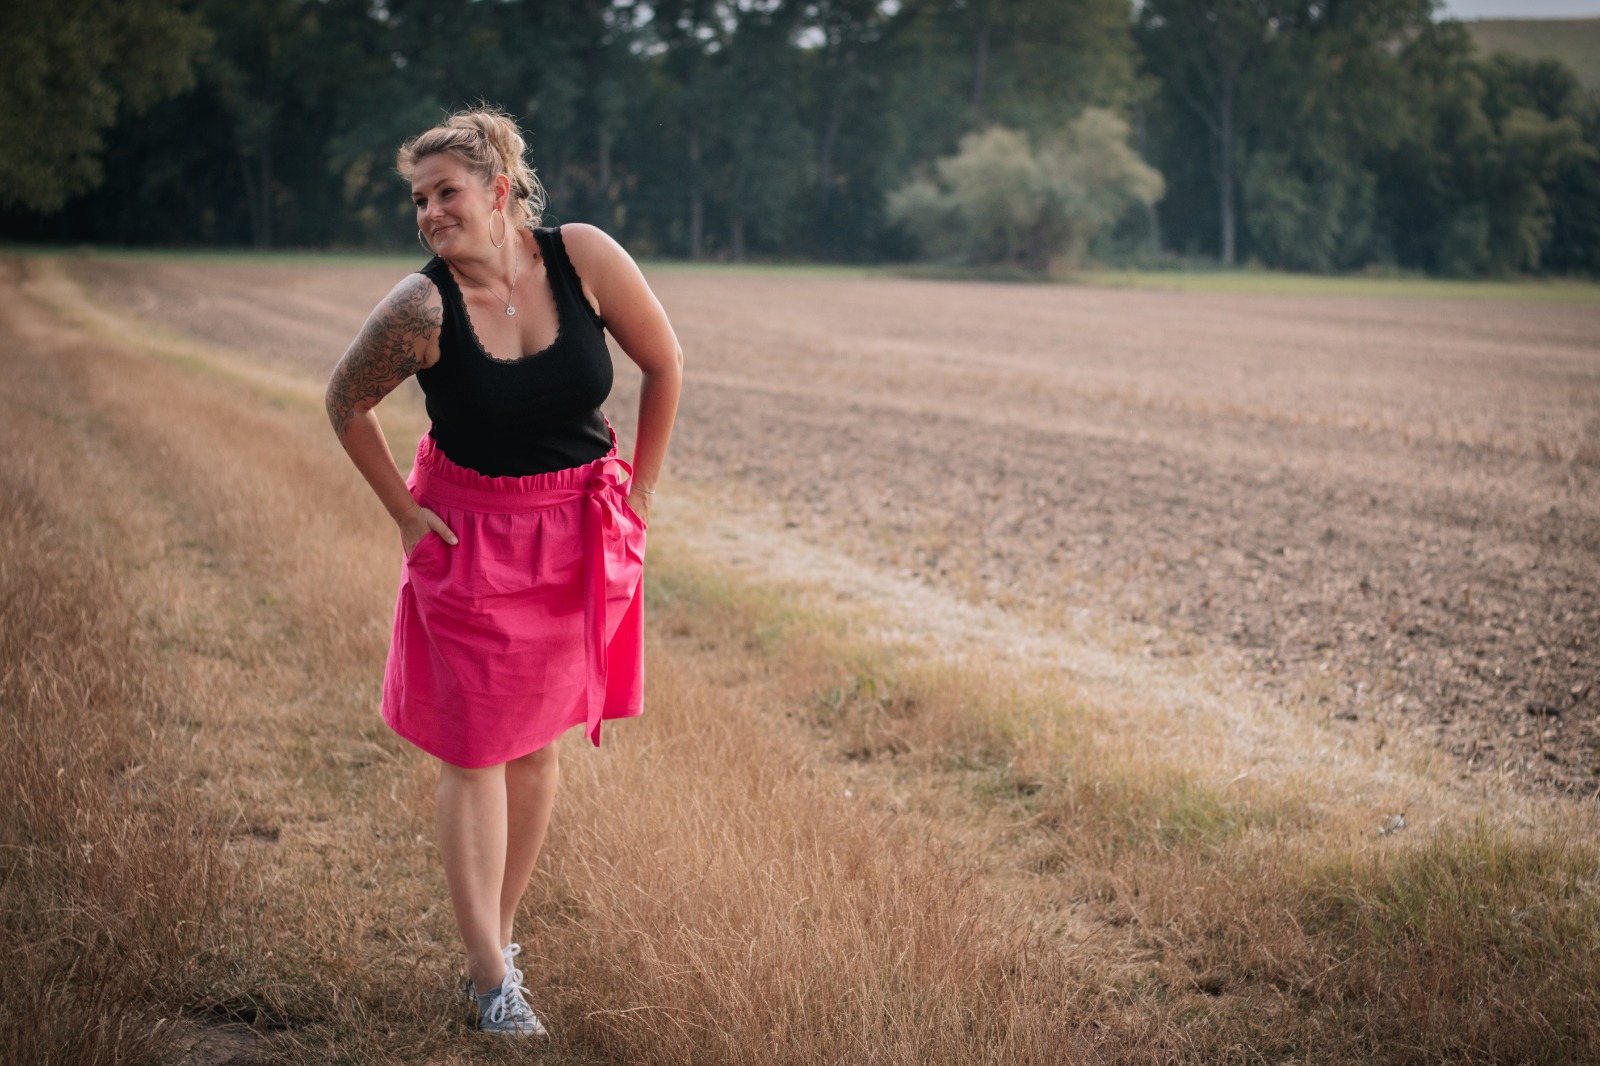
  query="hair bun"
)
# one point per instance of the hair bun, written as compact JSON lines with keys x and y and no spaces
{"x":488,"y":142}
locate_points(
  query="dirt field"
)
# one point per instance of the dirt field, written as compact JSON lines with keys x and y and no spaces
{"x":1387,"y":508}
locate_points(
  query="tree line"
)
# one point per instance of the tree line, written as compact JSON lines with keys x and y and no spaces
{"x":1300,"y":134}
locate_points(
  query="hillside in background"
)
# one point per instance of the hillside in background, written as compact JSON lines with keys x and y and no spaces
{"x":1576,"y":42}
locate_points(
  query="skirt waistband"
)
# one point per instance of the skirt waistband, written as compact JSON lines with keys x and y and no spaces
{"x":435,"y":477}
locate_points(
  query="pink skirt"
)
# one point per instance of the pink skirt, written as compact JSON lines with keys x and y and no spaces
{"x":531,"y":624}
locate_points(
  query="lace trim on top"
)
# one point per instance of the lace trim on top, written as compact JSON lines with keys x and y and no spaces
{"x":472,"y":330}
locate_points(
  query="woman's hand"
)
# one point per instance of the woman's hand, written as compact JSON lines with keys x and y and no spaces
{"x":418,"y":524}
{"x":639,"y":499}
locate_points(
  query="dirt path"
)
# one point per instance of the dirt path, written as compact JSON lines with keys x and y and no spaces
{"x":1388,"y":508}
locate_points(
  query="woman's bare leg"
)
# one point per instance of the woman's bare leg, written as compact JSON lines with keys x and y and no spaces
{"x":530,"y":795}
{"x":471,"y":814}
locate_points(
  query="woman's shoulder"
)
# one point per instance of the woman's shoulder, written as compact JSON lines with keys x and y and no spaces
{"x":426,"y":284}
{"x":582,"y":232}
{"x":413,"y":307}
{"x":583,"y":239}
{"x":594,"y":253}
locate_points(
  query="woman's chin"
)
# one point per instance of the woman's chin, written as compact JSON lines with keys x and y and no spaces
{"x":448,"y":241}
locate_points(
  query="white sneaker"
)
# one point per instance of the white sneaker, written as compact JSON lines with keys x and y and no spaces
{"x":508,"y":1013}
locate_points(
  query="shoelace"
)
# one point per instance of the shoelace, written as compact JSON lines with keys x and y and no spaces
{"x":510,"y":1004}
{"x":509,"y":952}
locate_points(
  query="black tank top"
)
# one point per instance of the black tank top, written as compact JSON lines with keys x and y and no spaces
{"x":531,"y":415}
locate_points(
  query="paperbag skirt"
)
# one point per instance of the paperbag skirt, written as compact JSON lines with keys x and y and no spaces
{"x":531,"y":624}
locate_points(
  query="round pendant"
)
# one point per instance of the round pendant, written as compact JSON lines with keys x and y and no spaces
{"x":511,"y":310}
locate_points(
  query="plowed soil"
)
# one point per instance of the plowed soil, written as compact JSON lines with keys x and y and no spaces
{"x":1387,"y":508}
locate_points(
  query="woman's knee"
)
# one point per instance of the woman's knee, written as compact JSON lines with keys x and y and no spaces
{"x":470,"y":776}
{"x":546,"y":756}
{"x":545,"y":760}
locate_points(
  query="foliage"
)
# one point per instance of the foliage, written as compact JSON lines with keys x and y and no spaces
{"x":1337,"y":136}
{"x":1001,"y":200}
{"x":1266,"y":112}
{"x":68,"y":68}
{"x":1469,"y":187}
{"x":1300,"y":135}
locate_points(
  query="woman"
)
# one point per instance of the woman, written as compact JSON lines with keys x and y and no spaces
{"x":519,"y":612}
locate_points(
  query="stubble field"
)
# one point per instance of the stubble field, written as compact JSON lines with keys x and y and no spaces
{"x":1389,"y":508}
{"x":1037,"y":675}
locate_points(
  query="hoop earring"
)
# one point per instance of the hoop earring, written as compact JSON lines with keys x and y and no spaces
{"x":501,"y":243}
{"x":426,"y":247}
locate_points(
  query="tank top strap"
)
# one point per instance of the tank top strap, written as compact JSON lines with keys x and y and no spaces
{"x":455,"y":326}
{"x":564,"y":280}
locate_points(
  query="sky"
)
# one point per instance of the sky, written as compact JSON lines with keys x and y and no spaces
{"x":1519,"y":9}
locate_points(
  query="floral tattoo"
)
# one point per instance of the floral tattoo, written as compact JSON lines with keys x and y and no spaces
{"x":387,"y":351}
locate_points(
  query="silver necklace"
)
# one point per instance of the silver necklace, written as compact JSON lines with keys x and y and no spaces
{"x":516,"y":271}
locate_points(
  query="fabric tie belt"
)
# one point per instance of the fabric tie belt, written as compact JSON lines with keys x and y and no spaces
{"x":602,"y":497}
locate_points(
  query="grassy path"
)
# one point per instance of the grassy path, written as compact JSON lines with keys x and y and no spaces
{"x":823,"y":843}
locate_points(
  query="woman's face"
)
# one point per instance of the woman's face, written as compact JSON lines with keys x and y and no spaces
{"x":453,"y":205}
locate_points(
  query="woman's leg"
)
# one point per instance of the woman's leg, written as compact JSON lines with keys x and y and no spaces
{"x":471,"y":813}
{"x":530,"y":795}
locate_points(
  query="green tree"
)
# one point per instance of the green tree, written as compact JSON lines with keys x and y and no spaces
{"x":266,"y":68}
{"x":1574,"y":242}
{"x":1000,"y":199}
{"x":1469,"y":189}
{"x":688,"y":33}
{"x":68,"y":68}
{"x":1206,"y":54}
{"x":1308,"y":183}
{"x":1038,"y":63}
{"x":1288,"y":102}
{"x":1095,"y":178}
{"x":845,"y":65}
{"x":384,"y":92}
{"x":1534,"y":106}
{"x":1031,"y":65}
{"x":761,"y":149}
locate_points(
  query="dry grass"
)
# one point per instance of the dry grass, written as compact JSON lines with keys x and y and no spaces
{"x":111,"y":875}
{"x":819,"y":846}
{"x":1203,"y":917}
{"x":100,"y":860}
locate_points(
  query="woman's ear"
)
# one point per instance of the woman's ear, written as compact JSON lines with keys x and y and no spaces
{"x":502,"y":192}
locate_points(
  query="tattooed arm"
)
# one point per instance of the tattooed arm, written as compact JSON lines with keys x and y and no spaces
{"x":400,"y":337}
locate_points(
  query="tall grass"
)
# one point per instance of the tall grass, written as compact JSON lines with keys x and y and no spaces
{"x":112,"y":879}
{"x":717,"y":894}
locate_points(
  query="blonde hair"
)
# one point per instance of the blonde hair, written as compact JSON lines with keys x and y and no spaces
{"x":488,"y":144}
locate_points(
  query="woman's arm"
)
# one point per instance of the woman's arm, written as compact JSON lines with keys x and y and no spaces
{"x":635,"y":317}
{"x":400,"y":337}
